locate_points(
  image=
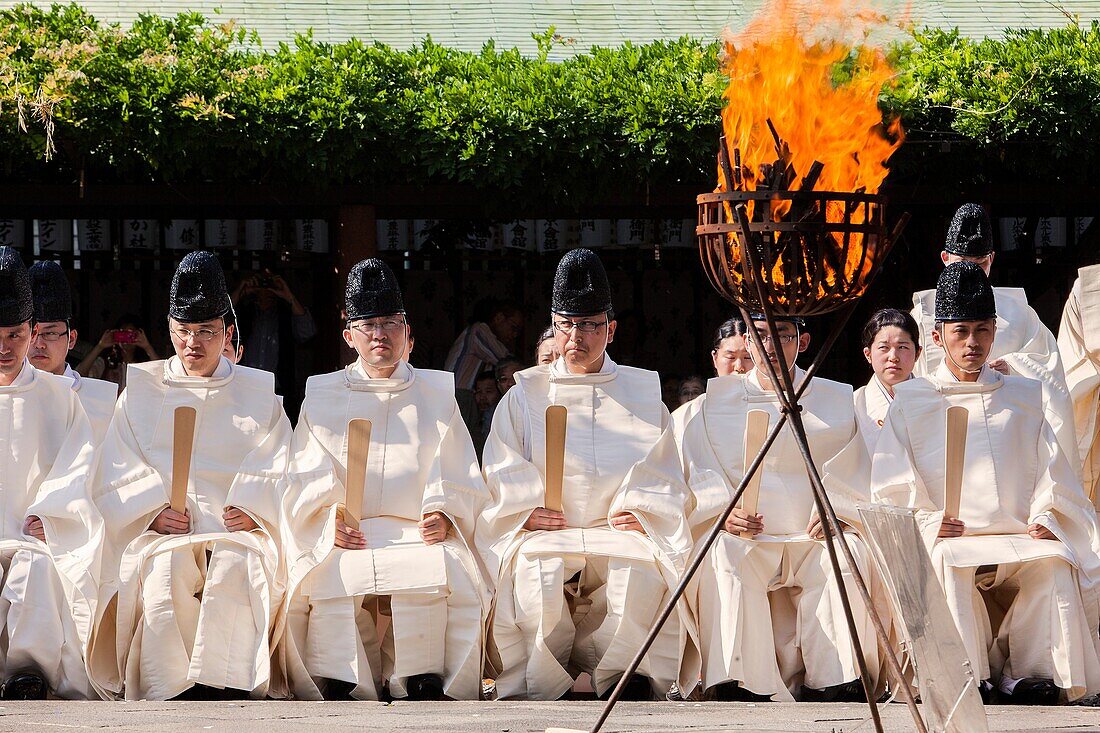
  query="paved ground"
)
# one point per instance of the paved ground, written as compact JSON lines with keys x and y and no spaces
{"x":497,"y":717}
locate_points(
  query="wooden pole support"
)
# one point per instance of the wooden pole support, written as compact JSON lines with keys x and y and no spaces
{"x":555,"y":455}
{"x":183,"y":440}
{"x":358,"y":450}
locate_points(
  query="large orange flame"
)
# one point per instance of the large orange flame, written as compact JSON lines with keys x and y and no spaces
{"x":781,"y":70}
{"x":804,"y":82}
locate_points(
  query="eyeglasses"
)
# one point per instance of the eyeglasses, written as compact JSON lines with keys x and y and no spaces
{"x":565,"y":326}
{"x":784,"y":338}
{"x":202,"y":335}
{"x":52,"y":337}
{"x":368,"y":327}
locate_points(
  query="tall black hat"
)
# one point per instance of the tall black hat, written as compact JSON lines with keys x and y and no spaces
{"x":963,"y":293}
{"x":970,"y":233}
{"x":16,"y":299}
{"x":52,"y":299}
{"x":372,"y":291}
{"x":580,"y":285}
{"x":198,"y":289}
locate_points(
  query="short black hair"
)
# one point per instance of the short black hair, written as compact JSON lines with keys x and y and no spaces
{"x":733,"y":327}
{"x":884,"y":317}
{"x":498,"y":370}
{"x":487,"y":374}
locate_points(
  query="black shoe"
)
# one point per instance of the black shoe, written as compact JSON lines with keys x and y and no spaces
{"x":338,"y":689}
{"x":988,"y":692}
{"x":25,"y":686}
{"x":733,"y":692}
{"x":847,"y":692}
{"x":1033,"y":691}
{"x":230,"y":694}
{"x":638,"y":689}
{"x":203,"y":693}
{"x":425,"y":687}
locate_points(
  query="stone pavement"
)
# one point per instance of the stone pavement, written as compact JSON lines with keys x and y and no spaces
{"x":496,"y":717}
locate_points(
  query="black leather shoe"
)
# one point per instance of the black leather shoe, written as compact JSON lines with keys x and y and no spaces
{"x":25,"y":686}
{"x":1033,"y":691}
{"x":847,"y":692}
{"x":734,"y":692}
{"x":425,"y":687}
{"x":638,"y":689}
{"x":338,"y":689}
{"x":988,"y":692}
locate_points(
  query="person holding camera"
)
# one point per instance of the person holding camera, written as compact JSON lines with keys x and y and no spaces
{"x":272,"y":324}
{"x":116,"y":349}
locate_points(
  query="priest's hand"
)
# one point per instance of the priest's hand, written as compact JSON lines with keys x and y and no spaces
{"x":999,"y":365}
{"x":1040,"y":532}
{"x":33,"y":526}
{"x":237,"y":521}
{"x":741,"y":521}
{"x":348,"y":538}
{"x":816,"y":530}
{"x":434,"y":527}
{"x":627,"y":522}
{"x":951,"y":527}
{"x":547,"y":519}
{"x":169,"y":521}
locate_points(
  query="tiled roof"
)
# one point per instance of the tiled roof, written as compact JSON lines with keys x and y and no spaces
{"x":468,"y":24}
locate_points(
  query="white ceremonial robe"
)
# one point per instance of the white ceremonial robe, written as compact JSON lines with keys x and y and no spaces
{"x":872,"y":401}
{"x":1026,"y":345}
{"x":421,"y":460}
{"x":1079,"y":345}
{"x":196,"y":608}
{"x":769,"y":608}
{"x":98,"y":398}
{"x":582,"y":599}
{"x":49,"y":589}
{"x":1014,"y":475}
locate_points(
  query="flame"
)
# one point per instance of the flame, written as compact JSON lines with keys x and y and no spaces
{"x":807,"y":74}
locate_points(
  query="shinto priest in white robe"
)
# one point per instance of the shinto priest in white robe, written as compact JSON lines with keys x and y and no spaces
{"x":50,"y":589}
{"x":194,"y":608}
{"x":1027,"y":346}
{"x":399,"y":607}
{"x":1079,"y":344}
{"x":769,"y":609}
{"x":872,"y":401}
{"x":1042,"y":594}
{"x":583,"y":598}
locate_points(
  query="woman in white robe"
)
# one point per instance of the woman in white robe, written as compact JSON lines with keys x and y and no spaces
{"x":198,"y":594}
{"x":1079,"y":345}
{"x":891,"y":345}
{"x":402,"y":608}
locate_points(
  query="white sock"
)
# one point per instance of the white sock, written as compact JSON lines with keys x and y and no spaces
{"x":1007,"y":684}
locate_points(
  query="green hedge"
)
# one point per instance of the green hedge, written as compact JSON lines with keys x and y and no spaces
{"x":186,"y":99}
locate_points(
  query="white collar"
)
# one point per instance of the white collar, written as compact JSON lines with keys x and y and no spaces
{"x":73,"y":375}
{"x":23,"y":381}
{"x":176,"y":376}
{"x":561,"y":375}
{"x":356,"y":378}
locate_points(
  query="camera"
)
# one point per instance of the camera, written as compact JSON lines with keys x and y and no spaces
{"x":125,"y":336}
{"x":265,"y":281}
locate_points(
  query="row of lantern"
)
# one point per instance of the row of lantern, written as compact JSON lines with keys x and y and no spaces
{"x":101,"y":235}
{"x":543,"y":235}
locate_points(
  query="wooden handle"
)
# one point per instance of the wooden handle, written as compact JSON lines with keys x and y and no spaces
{"x":555,"y":455}
{"x":183,"y":440}
{"x":955,"y":455}
{"x":358,"y":450}
{"x":756,"y":432}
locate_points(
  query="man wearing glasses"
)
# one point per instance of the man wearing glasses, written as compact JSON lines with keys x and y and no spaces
{"x":50,"y":529}
{"x":198,"y":590}
{"x":1024,"y":346}
{"x":769,"y":610}
{"x":408,"y":557}
{"x":55,"y":337}
{"x":577,"y":589}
